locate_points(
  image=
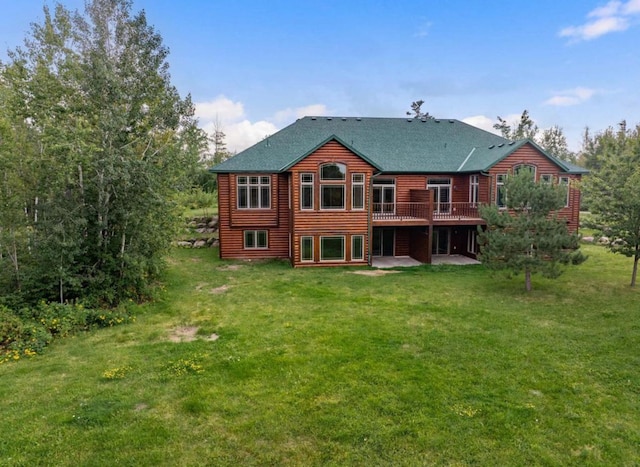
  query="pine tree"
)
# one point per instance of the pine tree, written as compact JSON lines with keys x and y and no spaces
{"x":528,"y":237}
{"x":613,"y":190}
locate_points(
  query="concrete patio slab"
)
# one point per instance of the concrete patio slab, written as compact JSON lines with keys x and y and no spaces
{"x":384,"y":262}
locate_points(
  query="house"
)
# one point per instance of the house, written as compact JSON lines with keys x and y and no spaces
{"x":330,"y":191}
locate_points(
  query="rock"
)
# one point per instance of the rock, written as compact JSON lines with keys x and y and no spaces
{"x":184,"y":244}
{"x":199,"y":244}
{"x":604,"y":240}
{"x":588,"y":239}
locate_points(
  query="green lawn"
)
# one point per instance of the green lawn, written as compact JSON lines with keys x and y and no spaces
{"x":434,"y":365}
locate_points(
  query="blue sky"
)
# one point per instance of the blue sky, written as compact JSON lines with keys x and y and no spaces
{"x":256,"y":66}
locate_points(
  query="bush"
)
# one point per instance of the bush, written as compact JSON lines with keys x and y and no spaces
{"x":28,"y":331}
{"x":11,"y":327}
{"x":196,"y":198}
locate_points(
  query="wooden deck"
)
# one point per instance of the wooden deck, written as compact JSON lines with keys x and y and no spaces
{"x":417,"y":214}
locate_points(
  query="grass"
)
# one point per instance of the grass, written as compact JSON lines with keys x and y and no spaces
{"x":433,"y":365}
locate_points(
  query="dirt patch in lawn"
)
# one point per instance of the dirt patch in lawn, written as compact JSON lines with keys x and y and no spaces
{"x":377,"y":272}
{"x":189,"y":334}
{"x":219,"y":290}
{"x":216,"y":290}
{"x":230,"y":267}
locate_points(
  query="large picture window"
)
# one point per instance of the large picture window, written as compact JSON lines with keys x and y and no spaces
{"x":254,"y":192}
{"x":255,"y":239}
{"x":332,"y":248}
{"x":332,"y":197}
{"x":306,"y":191}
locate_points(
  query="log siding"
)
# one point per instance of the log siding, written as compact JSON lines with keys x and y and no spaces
{"x":287,"y":223}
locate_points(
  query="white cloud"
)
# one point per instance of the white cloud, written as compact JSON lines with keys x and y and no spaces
{"x":240,"y":132}
{"x":571,"y":97}
{"x":288,"y":114}
{"x":631,"y":7}
{"x":481,"y":121}
{"x":220,"y":108}
{"x":610,"y":9}
{"x":612,"y":17}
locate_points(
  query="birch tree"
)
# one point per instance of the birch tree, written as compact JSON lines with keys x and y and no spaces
{"x":113,"y":139}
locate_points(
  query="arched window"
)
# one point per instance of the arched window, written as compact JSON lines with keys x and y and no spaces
{"x":529,"y":168}
{"x":333,"y":171}
{"x":332,"y":185}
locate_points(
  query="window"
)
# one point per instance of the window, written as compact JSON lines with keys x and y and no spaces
{"x":474,"y":188}
{"x":332,"y":248}
{"x":255,"y":239}
{"x":564,"y":183}
{"x":357,"y":247}
{"x":332,"y":195}
{"x":333,"y":171}
{"x":254,"y":192}
{"x":546,"y":178}
{"x":306,"y":249}
{"x":384,"y":195}
{"x":501,"y":195}
{"x":472,"y":241}
{"x":441,"y":194}
{"x":357,"y":191}
{"x":306,"y":191}
{"x":525,"y":167}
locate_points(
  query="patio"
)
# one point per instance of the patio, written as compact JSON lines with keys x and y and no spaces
{"x":384,"y":262}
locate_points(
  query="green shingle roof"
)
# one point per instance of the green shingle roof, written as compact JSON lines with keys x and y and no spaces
{"x":391,"y":145}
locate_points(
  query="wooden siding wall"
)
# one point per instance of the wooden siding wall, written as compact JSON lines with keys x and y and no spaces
{"x":530,"y":155}
{"x":419,"y":244}
{"x":318,"y":222}
{"x":408,"y":187}
{"x":234,"y":221}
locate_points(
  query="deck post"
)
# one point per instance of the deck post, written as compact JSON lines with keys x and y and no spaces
{"x":430,"y":229}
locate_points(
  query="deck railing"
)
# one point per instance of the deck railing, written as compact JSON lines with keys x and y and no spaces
{"x":400,"y":211}
{"x":455,"y":211}
{"x":441,"y":211}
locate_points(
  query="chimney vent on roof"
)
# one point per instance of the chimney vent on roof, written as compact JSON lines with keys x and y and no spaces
{"x":344,"y":119}
{"x":500,"y":145}
{"x":492,"y":146}
{"x":409,"y":120}
{"x":451,"y":121}
{"x":358,"y":119}
{"x":313,"y":118}
{"x":511,"y":142}
{"x":437,"y":121}
{"x":328,"y":118}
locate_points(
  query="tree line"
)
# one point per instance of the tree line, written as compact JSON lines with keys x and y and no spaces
{"x":94,"y":139}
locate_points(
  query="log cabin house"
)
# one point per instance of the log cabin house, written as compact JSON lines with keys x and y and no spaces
{"x":328,"y":191}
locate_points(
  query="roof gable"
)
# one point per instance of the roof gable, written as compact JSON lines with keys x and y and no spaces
{"x":563,"y":165}
{"x":338,"y":140}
